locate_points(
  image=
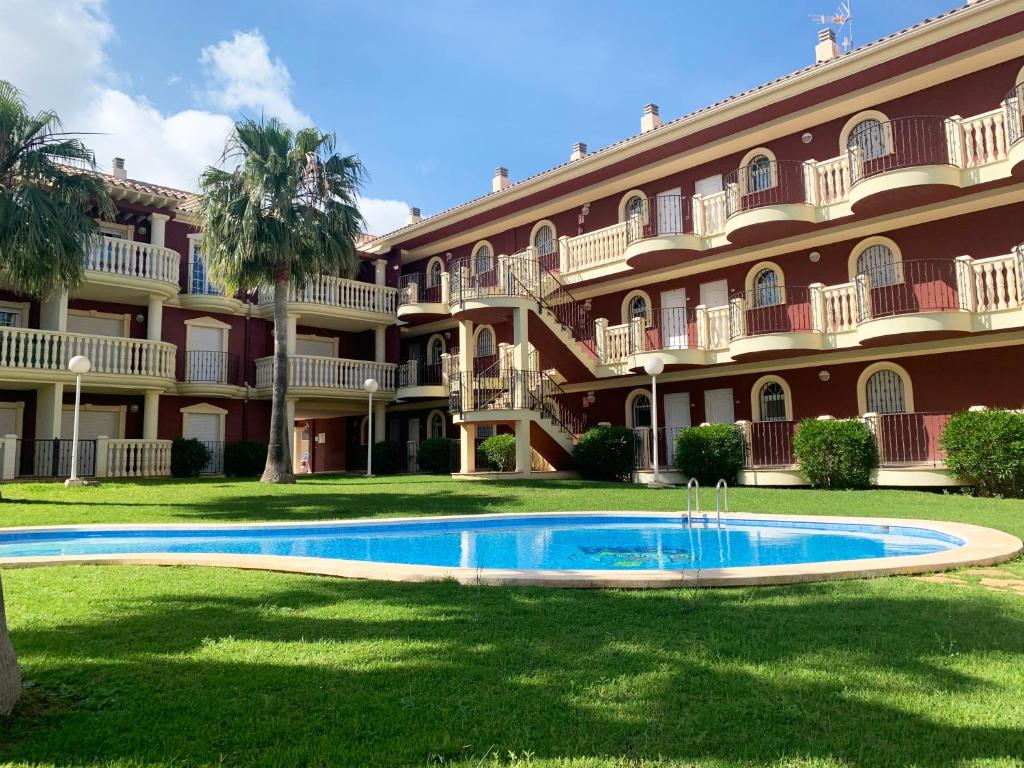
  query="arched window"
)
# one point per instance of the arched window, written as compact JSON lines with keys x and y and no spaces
{"x":544,"y":240}
{"x":641,"y":411}
{"x":435,"y":424}
{"x":634,"y":207}
{"x":868,"y":137}
{"x":485,"y":343}
{"x":434,"y":274}
{"x":759,"y":173}
{"x":767,"y":291}
{"x":885,"y":392}
{"x":637,"y":307}
{"x":773,"y":402}
{"x":879,"y":263}
{"x":434,"y":351}
{"x":482,"y":260}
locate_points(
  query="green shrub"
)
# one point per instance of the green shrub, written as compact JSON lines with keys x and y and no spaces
{"x":710,"y":453}
{"x":500,"y":452}
{"x":986,"y":450}
{"x":245,"y":458}
{"x":388,"y":458}
{"x":188,"y":457}
{"x":605,"y":453}
{"x":436,"y":455}
{"x":835,"y":453}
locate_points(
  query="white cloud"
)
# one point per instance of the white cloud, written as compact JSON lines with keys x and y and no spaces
{"x":383,"y":216}
{"x":242,"y":76}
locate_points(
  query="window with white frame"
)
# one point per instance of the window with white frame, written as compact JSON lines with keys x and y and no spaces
{"x":9,"y":317}
{"x":485,"y":343}
{"x":544,"y":240}
{"x":434,"y":274}
{"x":199,"y":281}
{"x":634,"y":207}
{"x":767,"y":288}
{"x":435,"y":424}
{"x":879,"y":263}
{"x":868,"y":138}
{"x":886,"y":392}
{"x":637,"y":307}
{"x":641,"y":411}
{"x":772,"y":400}
{"x":434,"y":351}
{"x":759,"y":173}
{"x":482,"y":260}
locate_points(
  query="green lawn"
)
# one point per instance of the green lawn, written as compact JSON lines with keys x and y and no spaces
{"x":187,"y":666}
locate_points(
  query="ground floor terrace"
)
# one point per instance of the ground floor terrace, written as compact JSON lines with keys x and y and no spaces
{"x":306,"y":670}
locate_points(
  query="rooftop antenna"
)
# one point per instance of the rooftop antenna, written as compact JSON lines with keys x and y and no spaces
{"x":843,"y":19}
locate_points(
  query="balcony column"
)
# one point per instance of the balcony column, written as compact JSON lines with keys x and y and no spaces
{"x":523,"y":446}
{"x":380,"y":344}
{"x":293,"y":322}
{"x":53,"y":312}
{"x":380,"y":272}
{"x":151,"y":414}
{"x":601,"y":339}
{"x":520,"y":340}
{"x":467,"y":448}
{"x":49,"y":404}
{"x":157,"y":229}
{"x":466,"y":346}
{"x":155,"y":318}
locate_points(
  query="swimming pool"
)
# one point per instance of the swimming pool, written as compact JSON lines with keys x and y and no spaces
{"x":574,"y":549}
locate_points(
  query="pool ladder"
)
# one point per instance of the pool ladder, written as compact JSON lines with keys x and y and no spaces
{"x":693,"y":492}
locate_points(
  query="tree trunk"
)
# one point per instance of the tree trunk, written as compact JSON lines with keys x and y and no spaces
{"x":279,"y":455}
{"x":10,"y":675}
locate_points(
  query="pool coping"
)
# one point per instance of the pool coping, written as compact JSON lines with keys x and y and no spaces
{"x":982,"y":547}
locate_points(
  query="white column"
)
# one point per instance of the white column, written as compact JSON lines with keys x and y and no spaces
{"x":380,"y":344}
{"x":151,"y":414}
{"x":10,"y":457}
{"x":467,"y":448}
{"x":102,"y":465}
{"x":292,"y":323}
{"x":380,"y":273}
{"x":523,"y":446}
{"x":379,"y":422}
{"x":155,"y":318}
{"x":157,"y":228}
{"x":53,"y":312}
{"x":466,"y":346}
{"x":49,"y":404}
{"x":520,"y":339}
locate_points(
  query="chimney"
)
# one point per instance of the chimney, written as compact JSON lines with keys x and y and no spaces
{"x":651,"y":118}
{"x":826,"y":49}
{"x":414,"y":216}
{"x":579,"y":151}
{"x":500,"y":180}
{"x":118,"y":170}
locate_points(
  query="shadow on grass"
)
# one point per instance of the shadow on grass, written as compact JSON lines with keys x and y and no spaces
{"x":274,"y":670}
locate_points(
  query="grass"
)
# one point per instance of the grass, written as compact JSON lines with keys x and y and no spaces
{"x":134,"y":666}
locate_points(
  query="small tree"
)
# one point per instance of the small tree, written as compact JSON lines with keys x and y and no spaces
{"x":605,"y":453}
{"x":835,"y":453}
{"x":986,"y":450}
{"x":500,"y":451}
{"x":710,"y":453}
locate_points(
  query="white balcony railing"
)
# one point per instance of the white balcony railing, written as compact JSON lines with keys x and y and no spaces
{"x":328,"y":373}
{"x":839,"y":306}
{"x":709,"y":214}
{"x":983,"y":138}
{"x":133,"y":458}
{"x":340,"y":293}
{"x":32,"y":349}
{"x":126,"y":258}
{"x":602,"y":246}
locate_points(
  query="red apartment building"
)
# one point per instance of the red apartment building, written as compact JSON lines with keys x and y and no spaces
{"x":842,"y":241}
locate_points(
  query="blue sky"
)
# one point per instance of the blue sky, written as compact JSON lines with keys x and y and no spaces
{"x":434,"y":95}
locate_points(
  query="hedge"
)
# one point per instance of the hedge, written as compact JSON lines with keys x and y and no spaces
{"x":605,"y":453}
{"x":500,"y":452}
{"x":835,"y":453}
{"x":710,"y":453}
{"x":985,"y":449}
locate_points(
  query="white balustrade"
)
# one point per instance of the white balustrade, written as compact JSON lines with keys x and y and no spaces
{"x":616,"y":341}
{"x":718,"y":327}
{"x":996,"y":284}
{"x":339,"y":292}
{"x":831,"y":180}
{"x":984,"y":138}
{"x":839,"y":306}
{"x":602,"y":246}
{"x":29,"y":348}
{"x":709,"y":214}
{"x":126,"y":258}
{"x":133,"y":458}
{"x":328,"y":373}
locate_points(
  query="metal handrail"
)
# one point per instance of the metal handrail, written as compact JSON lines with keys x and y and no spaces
{"x":721,"y":489}
{"x":690,"y":486}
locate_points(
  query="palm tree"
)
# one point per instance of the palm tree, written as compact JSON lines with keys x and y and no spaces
{"x":281,"y":208}
{"x":46,"y":229}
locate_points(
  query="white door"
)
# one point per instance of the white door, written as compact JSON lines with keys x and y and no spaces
{"x":205,"y":427}
{"x":318,"y":347}
{"x":714,"y":294}
{"x":206,"y":358}
{"x":670,"y":212}
{"x":673,"y":319}
{"x":9,"y":421}
{"x":96,"y":326}
{"x":91,"y":424}
{"x":710,"y":186}
{"x":718,"y":406}
{"x":677,"y":418}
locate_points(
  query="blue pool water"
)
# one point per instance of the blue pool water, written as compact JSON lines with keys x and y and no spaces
{"x":592,"y":542}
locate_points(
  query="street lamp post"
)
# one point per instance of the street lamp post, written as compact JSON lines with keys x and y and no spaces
{"x":371,"y":386}
{"x":654,"y":366}
{"x":78,"y":365}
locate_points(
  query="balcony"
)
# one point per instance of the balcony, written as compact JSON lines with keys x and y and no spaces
{"x":418,"y":380}
{"x":99,"y":457}
{"x":203,"y":373}
{"x":330,"y":377}
{"x":126,"y":271}
{"x":775,"y":321}
{"x":335,"y":302}
{"x":674,"y":333}
{"x":661,"y":233}
{"x":593,"y":251}
{"x":202,"y":295}
{"x":33,"y":356}
{"x":1013,"y":108}
{"x":904,"y":162}
{"x":769,"y":201}
{"x":419,"y":299}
